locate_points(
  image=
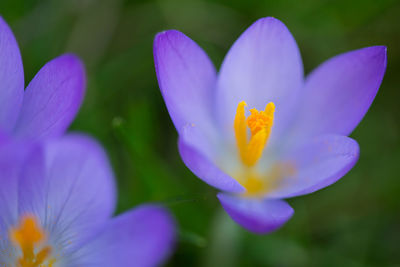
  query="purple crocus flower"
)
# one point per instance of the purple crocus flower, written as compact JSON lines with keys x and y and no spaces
{"x":292,"y":141}
{"x":56,"y":206}
{"x":51,"y":100}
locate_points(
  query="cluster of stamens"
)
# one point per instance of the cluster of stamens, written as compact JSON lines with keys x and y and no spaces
{"x":260,"y":124}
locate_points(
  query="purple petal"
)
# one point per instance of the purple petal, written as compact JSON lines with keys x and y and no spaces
{"x":260,"y":216}
{"x":339,"y":92}
{"x":52,"y":99}
{"x":187,"y":79}
{"x":11,"y":78}
{"x":4,"y":138}
{"x":71,"y":189}
{"x":12,"y":157}
{"x":263,"y":65}
{"x":141,"y":237}
{"x":318,"y":164}
{"x":205,"y":169}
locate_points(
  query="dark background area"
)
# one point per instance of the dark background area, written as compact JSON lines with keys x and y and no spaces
{"x":355,"y":222}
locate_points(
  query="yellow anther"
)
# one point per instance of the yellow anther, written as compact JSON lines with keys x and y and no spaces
{"x":255,"y":147}
{"x":29,"y":236}
{"x":43,"y":255}
{"x":260,"y":125}
{"x":241,"y":130}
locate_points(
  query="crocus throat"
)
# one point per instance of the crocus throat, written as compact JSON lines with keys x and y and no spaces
{"x":250,"y":148}
{"x":30,"y":238}
{"x":257,"y":185}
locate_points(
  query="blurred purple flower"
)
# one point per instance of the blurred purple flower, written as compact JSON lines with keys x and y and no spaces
{"x":306,"y":141}
{"x":51,"y":100}
{"x":56,"y":206}
{"x":57,"y":197}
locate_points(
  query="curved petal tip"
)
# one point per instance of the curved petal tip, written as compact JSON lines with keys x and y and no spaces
{"x":11,"y":78}
{"x":339,"y":92}
{"x":52,"y":99}
{"x":260,"y":216}
{"x":186,"y":77}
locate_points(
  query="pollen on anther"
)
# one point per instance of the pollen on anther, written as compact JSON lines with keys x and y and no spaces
{"x":259,"y":120}
{"x":27,"y":233}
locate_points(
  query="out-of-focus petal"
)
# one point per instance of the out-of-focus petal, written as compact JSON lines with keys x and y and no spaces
{"x":52,"y":98}
{"x":73,"y":195}
{"x":263,"y":65}
{"x":10,"y":164}
{"x":11,"y":78}
{"x":339,"y":92}
{"x":187,"y":80}
{"x":143,"y":237}
{"x":317,"y":164}
{"x":205,"y":169}
{"x":4,"y":137}
{"x":12,"y":157}
{"x":259,"y":216}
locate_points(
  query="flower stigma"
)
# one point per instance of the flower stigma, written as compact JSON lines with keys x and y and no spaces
{"x":30,"y":238}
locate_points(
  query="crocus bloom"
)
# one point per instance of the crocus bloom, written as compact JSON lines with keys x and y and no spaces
{"x":51,"y":100}
{"x":56,"y":206}
{"x":259,"y":131}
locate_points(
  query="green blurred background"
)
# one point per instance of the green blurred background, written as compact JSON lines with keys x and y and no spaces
{"x":355,"y":222}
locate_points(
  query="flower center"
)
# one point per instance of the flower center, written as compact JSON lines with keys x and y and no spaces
{"x":29,"y":237}
{"x":250,"y":149}
{"x":258,"y":185}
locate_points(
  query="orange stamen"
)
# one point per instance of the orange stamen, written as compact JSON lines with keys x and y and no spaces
{"x":29,"y":236}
